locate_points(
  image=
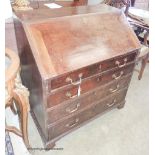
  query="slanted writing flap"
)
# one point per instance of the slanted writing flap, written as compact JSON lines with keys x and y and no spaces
{"x":68,"y":43}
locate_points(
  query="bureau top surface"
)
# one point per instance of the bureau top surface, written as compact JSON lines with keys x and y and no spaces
{"x":66,"y":43}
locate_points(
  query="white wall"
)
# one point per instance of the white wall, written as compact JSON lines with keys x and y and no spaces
{"x":7,"y":9}
{"x":93,"y":2}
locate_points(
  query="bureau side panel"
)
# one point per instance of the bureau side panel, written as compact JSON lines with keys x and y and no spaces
{"x":31,"y":78}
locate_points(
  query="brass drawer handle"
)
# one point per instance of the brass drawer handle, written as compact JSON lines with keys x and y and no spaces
{"x":111,"y":104}
{"x":68,"y":94}
{"x":70,"y":125}
{"x":100,"y":67}
{"x":114,"y":90}
{"x":73,"y":110}
{"x":119,"y":64}
{"x":98,"y":79}
{"x":68,"y":79}
{"x":114,"y":76}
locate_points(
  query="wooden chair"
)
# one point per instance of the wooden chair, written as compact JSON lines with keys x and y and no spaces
{"x":119,"y":4}
{"x":16,"y":93}
{"x":143,"y":55}
{"x":139,"y":19}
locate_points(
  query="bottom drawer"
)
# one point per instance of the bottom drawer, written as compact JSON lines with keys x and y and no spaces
{"x":64,"y":125}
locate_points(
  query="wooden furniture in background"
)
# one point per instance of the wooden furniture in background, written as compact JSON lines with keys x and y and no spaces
{"x":132,"y":2}
{"x":16,"y":94}
{"x":82,"y":1}
{"x":142,"y":4}
{"x":21,"y":5}
{"x":144,"y":55}
{"x":40,"y":4}
{"x":139,"y":19}
{"x":75,"y":64}
{"x":125,"y":4}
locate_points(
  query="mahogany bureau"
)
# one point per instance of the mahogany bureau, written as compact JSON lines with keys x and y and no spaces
{"x":77,"y":63}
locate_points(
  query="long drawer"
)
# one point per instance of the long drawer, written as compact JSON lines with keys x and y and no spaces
{"x":72,"y":77}
{"x":86,"y":85}
{"x":70,"y":107}
{"x":66,"y":124}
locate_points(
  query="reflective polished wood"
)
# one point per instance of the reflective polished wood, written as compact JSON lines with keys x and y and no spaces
{"x":67,"y":56}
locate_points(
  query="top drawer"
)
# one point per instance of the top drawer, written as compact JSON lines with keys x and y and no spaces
{"x":73,"y":77}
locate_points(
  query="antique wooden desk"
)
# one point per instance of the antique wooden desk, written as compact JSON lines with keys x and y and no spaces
{"x":77,"y":63}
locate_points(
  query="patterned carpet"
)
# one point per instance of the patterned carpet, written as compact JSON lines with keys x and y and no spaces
{"x":8,"y":145}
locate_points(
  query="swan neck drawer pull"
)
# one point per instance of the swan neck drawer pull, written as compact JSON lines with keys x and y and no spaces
{"x":119,"y":64}
{"x":68,"y":94}
{"x":114,"y":90}
{"x":117,"y":77}
{"x":111,"y":104}
{"x":100,"y":67}
{"x":70,"y":125}
{"x":73,"y":110}
{"x":68,"y":79}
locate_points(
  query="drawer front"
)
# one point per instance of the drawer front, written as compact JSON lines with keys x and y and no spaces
{"x":73,"y":77}
{"x":87,"y":85}
{"x":78,"y":104}
{"x":75,"y":120}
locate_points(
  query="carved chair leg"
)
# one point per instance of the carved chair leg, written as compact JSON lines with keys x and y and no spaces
{"x":12,"y":107}
{"x":22,"y":103}
{"x":143,"y":65}
{"x":10,"y":104}
{"x":14,"y":130}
